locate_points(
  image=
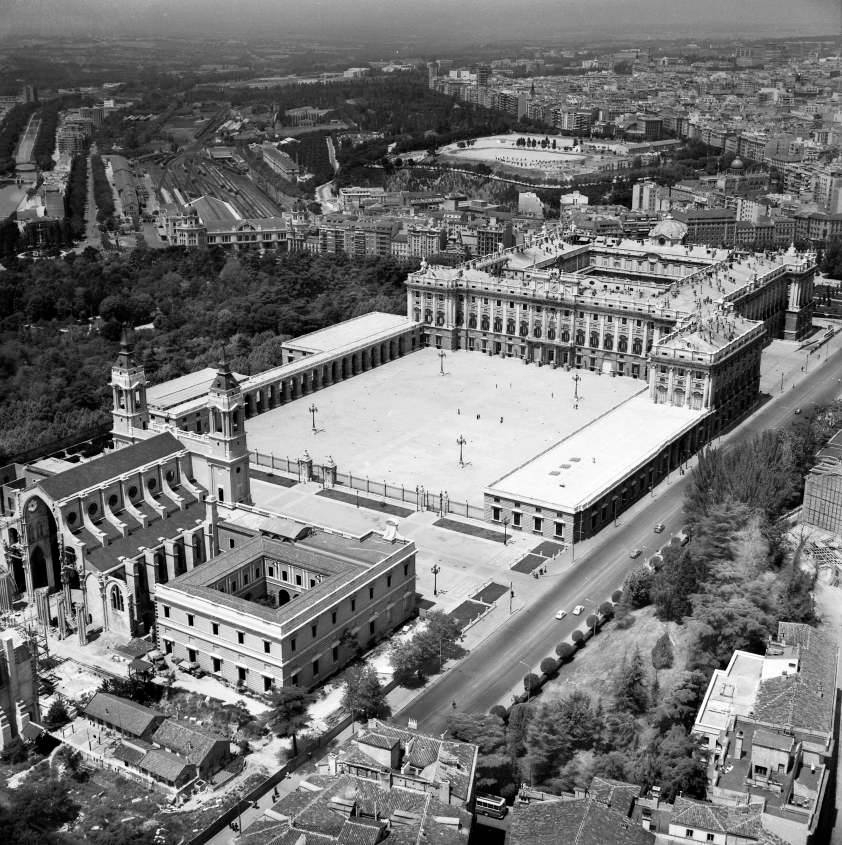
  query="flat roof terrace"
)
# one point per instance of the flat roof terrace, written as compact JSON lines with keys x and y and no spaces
{"x":400,"y":422}
{"x":577,"y":471}
{"x":356,"y":330}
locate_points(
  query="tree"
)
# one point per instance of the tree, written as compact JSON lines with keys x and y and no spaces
{"x":564,"y":651}
{"x":488,"y":731}
{"x":631,"y":693}
{"x":549,"y":666}
{"x":531,"y":684}
{"x":36,"y":810}
{"x":637,"y":588}
{"x":363,"y":694}
{"x":682,"y":703}
{"x":662,"y":652}
{"x":288,"y":715}
{"x":408,"y":663}
{"x":57,"y":715}
{"x":675,"y":581}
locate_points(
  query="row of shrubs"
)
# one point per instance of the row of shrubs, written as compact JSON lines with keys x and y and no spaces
{"x":565,"y":652}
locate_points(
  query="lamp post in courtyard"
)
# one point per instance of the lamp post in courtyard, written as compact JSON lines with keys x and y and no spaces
{"x":461,"y":441}
{"x":313,"y":411}
{"x":442,"y":356}
{"x":505,"y":527}
{"x":576,"y":379}
{"x":435,"y":569}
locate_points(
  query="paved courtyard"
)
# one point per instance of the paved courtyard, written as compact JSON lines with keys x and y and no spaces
{"x":400,"y":422}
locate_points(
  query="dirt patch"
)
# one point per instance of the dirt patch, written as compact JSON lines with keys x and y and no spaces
{"x":595,"y":666}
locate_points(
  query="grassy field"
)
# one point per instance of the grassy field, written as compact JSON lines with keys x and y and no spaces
{"x":595,"y":667}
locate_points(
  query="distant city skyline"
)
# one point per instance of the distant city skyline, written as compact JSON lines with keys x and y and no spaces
{"x":436,"y":21}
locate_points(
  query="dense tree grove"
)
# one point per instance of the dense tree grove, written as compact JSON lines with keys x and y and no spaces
{"x":54,"y":364}
{"x":45,"y":143}
{"x":10,"y":131}
{"x":102,"y":191}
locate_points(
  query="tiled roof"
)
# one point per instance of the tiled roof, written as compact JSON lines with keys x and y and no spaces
{"x":195,"y":744}
{"x":123,"y":714}
{"x":100,"y":470}
{"x":743,"y":821}
{"x":581,"y":821}
{"x":614,"y":793}
{"x":802,"y":701}
{"x":164,"y":765}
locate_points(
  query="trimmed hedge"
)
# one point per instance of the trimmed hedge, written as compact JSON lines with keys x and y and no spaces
{"x":565,"y":651}
{"x":549,"y":666}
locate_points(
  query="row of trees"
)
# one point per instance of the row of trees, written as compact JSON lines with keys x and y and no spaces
{"x":10,"y":131}
{"x":45,"y":143}
{"x":103,"y":196}
{"x":417,"y":657}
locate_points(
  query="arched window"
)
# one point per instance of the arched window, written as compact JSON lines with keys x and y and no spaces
{"x":440,"y":318}
{"x":472,"y":321}
{"x":551,"y":332}
{"x":428,"y":315}
{"x":417,"y":315}
{"x":608,"y":342}
{"x":678,"y":397}
{"x":595,"y":339}
{"x":536,"y":331}
{"x":565,"y":336}
{"x":580,"y":338}
{"x":460,"y":318}
{"x":485,"y":322}
{"x":696,"y":400}
{"x":510,"y":327}
{"x":637,"y":346}
{"x":117,"y":599}
{"x":623,"y":344}
{"x":660,"y":394}
{"x":498,"y":324}
{"x":524,"y":328}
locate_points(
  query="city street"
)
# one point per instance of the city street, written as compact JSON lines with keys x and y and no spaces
{"x":491,"y":671}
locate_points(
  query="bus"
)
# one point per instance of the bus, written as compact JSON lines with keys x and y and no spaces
{"x":491,"y":805}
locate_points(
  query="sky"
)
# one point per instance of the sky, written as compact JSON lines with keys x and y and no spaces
{"x":469,"y":21}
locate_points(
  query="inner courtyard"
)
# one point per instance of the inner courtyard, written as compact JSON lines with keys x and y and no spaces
{"x":402,"y":422}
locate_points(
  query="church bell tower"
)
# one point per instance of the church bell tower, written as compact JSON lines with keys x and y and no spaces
{"x":229,"y":457}
{"x":129,"y":414}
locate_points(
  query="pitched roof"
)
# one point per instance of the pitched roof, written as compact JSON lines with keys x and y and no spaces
{"x":614,"y":793}
{"x":165,"y":765}
{"x":743,"y":821}
{"x":113,"y":465}
{"x":128,"y":716}
{"x":195,"y":744}
{"x":581,"y":821}
{"x":804,"y":700}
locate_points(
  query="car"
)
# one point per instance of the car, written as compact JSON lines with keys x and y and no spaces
{"x":659,"y":527}
{"x":634,"y":554}
{"x":561,"y":614}
{"x":578,"y":610}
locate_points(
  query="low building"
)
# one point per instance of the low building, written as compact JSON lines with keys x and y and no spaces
{"x":289,"y":606}
{"x":127,"y":717}
{"x":385,"y":783}
{"x":206,"y":751}
{"x":768,"y":723}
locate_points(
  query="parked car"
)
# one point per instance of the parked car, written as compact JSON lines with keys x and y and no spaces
{"x":191,"y":667}
{"x":561,"y":614}
{"x":659,"y":527}
{"x":578,"y":610}
{"x":634,"y":554}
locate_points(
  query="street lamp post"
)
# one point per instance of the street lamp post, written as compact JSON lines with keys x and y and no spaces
{"x":576,"y":379}
{"x":313,"y":411}
{"x":461,"y":441}
{"x":435,"y":569}
{"x":505,"y":527}
{"x":442,"y":356}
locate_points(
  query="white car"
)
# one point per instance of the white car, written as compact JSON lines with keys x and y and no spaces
{"x":578,"y":610}
{"x":561,"y":614}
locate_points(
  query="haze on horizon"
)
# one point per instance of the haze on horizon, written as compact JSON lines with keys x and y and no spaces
{"x":441,"y":21}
